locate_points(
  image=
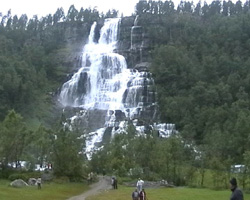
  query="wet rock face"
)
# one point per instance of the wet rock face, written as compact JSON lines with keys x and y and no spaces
{"x":124,"y":36}
{"x":136,"y":37}
{"x":96,"y":119}
{"x":134,"y":43}
{"x":85,"y":120}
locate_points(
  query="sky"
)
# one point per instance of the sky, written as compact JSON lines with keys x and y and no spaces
{"x":45,"y":7}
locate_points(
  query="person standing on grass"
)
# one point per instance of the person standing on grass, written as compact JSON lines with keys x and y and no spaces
{"x":236,"y":192}
{"x":143,"y":195}
{"x":114,"y":183}
{"x":135,"y":195}
{"x":139,"y":184}
{"x":39,"y":183}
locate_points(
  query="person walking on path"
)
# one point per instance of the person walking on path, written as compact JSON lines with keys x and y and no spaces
{"x":236,"y":192}
{"x":139,"y":185}
{"x":135,"y":195}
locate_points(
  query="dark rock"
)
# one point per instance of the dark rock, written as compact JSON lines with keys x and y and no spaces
{"x":143,"y":67}
{"x":47,"y":176}
{"x":32,"y":181}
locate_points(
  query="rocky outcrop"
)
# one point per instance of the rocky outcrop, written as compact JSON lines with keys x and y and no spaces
{"x":134,"y":43}
{"x":142,"y":67}
{"x":32,"y":181}
{"x":18,"y":183}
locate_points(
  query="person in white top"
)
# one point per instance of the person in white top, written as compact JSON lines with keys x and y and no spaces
{"x":139,"y":185}
{"x":39,"y":183}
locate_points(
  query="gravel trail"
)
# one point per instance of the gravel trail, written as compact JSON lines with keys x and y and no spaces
{"x":96,"y":188}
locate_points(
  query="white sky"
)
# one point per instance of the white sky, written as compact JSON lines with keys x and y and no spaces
{"x":45,"y":7}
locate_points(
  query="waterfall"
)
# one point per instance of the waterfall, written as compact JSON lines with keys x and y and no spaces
{"x":105,"y":83}
{"x":101,"y":81}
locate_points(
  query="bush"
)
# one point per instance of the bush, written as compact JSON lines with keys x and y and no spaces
{"x":122,"y":180}
{"x":5,"y":173}
{"x":23,"y":175}
{"x":13,"y":177}
{"x":62,"y":179}
{"x":152,"y":176}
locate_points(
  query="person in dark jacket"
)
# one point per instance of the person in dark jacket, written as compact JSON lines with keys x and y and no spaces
{"x":236,"y":192}
{"x":115,"y":183}
{"x":135,"y":195}
{"x":143,"y":195}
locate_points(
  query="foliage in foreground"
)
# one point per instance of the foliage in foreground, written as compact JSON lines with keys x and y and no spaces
{"x":59,"y":147}
{"x":172,"y":159}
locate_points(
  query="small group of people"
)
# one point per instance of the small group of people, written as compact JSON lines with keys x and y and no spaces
{"x":139,"y":193}
{"x":136,"y":195}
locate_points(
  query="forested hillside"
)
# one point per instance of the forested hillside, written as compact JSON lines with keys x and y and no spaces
{"x":35,"y":57}
{"x":201,"y":67}
{"x":200,"y":62}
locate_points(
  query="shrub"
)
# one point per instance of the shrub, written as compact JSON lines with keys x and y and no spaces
{"x":62,"y":179}
{"x":23,"y":175}
{"x":5,"y":173}
{"x":13,"y":177}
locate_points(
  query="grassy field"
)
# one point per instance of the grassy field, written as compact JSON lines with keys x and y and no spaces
{"x":181,"y":193}
{"x":55,"y":191}
{"x":52,"y":191}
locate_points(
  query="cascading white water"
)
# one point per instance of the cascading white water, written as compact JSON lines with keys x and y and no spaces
{"x":103,"y":76}
{"x":105,"y":83}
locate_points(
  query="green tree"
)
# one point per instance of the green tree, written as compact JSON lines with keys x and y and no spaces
{"x":246,"y":169}
{"x":72,"y":13}
{"x":41,"y":146}
{"x":67,"y":153}
{"x":14,"y":138}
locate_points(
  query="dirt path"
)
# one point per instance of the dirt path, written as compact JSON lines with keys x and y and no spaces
{"x":96,"y":188}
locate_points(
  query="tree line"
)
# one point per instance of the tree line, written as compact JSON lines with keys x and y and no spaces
{"x":58,"y":148}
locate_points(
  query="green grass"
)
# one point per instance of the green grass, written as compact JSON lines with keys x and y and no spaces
{"x":55,"y":191}
{"x":51,"y":191}
{"x":180,"y":193}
